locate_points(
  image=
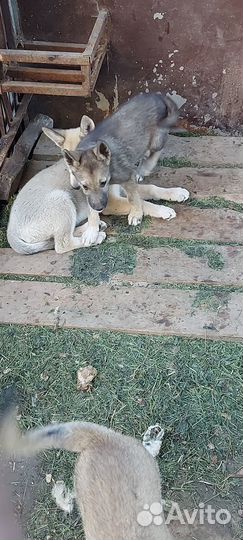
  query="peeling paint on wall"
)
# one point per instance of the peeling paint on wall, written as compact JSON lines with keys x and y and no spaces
{"x":159,"y":16}
{"x":146,"y":87}
{"x":160,"y":75}
{"x":102,"y":103}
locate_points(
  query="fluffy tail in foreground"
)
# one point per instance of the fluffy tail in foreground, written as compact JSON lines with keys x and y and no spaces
{"x":73,"y":436}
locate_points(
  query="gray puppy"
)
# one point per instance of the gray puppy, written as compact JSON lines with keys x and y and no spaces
{"x":122,"y":149}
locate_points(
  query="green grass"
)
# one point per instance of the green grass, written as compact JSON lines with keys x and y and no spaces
{"x":189,"y":134}
{"x":98,"y":264}
{"x":212,"y":300}
{"x":176,"y":163}
{"x":3,"y":238}
{"x":216,"y":202}
{"x":192,"y":387}
{"x":4,"y":216}
{"x":5,"y":212}
{"x":214,"y":258}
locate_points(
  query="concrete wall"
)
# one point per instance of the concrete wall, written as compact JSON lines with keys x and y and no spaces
{"x":191,"y":48}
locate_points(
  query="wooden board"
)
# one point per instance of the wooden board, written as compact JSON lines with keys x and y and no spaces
{"x":203,"y":151}
{"x":97,"y":34}
{"x":13,"y":166}
{"x":45,"y":74}
{"x":41,"y":57}
{"x":206,"y":151}
{"x":167,"y":265}
{"x":210,"y":224}
{"x":47,"y":263}
{"x":145,"y":310}
{"x":202,"y":183}
{"x":49,"y":89}
{"x":7,"y":141}
{"x":54,"y":46}
{"x":162,"y":265}
{"x":46,"y":149}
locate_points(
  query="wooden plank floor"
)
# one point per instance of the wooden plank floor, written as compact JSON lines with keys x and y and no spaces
{"x":146,"y":310}
{"x":173,"y":289}
{"x":162,"y":265}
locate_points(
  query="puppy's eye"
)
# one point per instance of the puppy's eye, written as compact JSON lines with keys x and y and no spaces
{"x":103,"y":183}
{"x":85,"y":187}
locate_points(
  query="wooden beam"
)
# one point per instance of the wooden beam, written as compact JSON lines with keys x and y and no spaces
{"x":7,"y":108}
{"x":49,"y":89}
{"x":12,"y":168}
{"x":96,"y":35}
{"x":96,"y":66}
{"x":45,"y":74}
{"x":54,"y":46}
{"x":42,"y":57}
{"x":2,"y":121}
{"x":9,"y":30}
{"x":7,"y":141}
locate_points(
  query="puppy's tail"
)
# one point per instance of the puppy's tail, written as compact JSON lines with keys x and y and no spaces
{"x":73,"y":436}
{"x":172,"y":113}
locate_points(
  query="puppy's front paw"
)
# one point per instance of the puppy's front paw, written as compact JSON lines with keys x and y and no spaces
{"x":179,"y":194}
{"x":135,"y":217}
{"x":152,"y":439}
{"x":100,"y":238}
{"x":89,"y":237}
{"x":165,"y":212}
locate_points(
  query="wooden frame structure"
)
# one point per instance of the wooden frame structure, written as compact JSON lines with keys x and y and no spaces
{"x":52,"y":68}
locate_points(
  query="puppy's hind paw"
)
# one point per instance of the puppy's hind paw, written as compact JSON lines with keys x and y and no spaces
{"x":179,"y":194}
{"x":165,"y":212}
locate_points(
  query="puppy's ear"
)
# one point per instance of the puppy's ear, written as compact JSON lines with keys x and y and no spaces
{"x":86,"y":125}
{"x":102,"y":152}
{"x":56,"y":135}
{"x":71,"y":158}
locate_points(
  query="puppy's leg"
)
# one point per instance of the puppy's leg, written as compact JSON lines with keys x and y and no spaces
{"x":158,"y":211}
{"x":149,"y":164}
{"x":64,"y":238}
{"x":91,"y":232}
{"x":136,"y":211}
{"x":119,"y":206}
{"x":148,"y":192}
{"x":66,"y":243}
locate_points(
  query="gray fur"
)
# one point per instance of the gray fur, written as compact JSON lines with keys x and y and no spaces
{"x":139,"y":128}
{"x":123,"y":148}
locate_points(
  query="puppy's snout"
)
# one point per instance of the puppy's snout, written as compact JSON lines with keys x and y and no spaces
{"x":98,"y":203}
